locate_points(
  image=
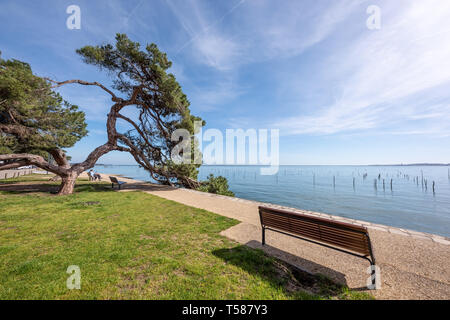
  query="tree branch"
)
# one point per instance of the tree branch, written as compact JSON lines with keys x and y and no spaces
{"x":84,"y":83}
{"x":12,"y":165}
{"x":31,"y":159}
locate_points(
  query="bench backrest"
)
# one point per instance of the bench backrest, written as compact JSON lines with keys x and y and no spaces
{"x":114,"y":180}
{"x":338,"y":234}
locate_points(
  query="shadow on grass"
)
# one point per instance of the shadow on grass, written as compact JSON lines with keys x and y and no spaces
{"x":146,"y":186}
{"x":50,"y":187}
{"x":19,"y":180}
{"x":296,"y":282}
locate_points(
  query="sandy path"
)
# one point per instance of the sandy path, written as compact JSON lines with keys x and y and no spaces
{"x":413,"y":265}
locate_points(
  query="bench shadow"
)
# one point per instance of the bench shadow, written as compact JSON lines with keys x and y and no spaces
{"x":255,"y":259}
{"x":299,"y":262}
{"x":145,"y":186}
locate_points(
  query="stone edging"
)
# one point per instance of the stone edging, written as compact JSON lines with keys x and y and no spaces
{"x":369,"y":225}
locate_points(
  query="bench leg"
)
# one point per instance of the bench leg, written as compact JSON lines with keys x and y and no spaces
{"x":119,"y":186}
{"x":112,"y":185}
{"x":263,"y":236}
{"x":374,"y":274}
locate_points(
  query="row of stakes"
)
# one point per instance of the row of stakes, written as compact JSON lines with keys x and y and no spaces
{"x":391,"y":182}
{"x":424,"y":182}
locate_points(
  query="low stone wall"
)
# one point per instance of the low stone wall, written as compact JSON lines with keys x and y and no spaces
{"x":7,"y":174}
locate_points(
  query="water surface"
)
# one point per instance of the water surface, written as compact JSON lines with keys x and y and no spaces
{"x":410,"y":204}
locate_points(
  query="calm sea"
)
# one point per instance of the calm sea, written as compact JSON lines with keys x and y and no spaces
{"x":356,"y":192}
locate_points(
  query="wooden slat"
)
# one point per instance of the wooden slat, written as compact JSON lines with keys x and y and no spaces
{"x":338,"y":234}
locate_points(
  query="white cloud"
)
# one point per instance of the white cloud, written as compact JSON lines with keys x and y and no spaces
{"x":290,"y":29}
{"x":218,"y":52}
{"x":210,"y":46}
{"x":207,"y":98}
{"x":390,"y":76}
{"x":255,"y":30}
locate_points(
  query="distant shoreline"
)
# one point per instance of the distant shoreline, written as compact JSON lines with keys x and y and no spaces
{"x":305,"y":165}
{"x":412,"y":165}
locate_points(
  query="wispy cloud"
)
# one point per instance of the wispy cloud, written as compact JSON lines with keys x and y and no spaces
{"x":213,"y":47}
{"x":255,"y":31}
{"x":295,"y":26}
{"x":388,"y":77}
{"x":212,"y":96}
{"x":247,"y":32}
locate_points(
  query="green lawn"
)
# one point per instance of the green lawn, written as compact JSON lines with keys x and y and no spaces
{"x":132,"y":245}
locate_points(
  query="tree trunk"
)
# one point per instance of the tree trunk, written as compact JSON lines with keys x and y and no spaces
{"x":68,"y":183}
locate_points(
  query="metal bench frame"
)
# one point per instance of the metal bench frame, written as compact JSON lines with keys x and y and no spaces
{"x":320,"y":222}
{"x":115,"y":181}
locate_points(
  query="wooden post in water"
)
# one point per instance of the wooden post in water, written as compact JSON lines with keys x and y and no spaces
{"x":421,"y":173}
{"x":434,"y":190}
{"x":334,"y":182}
{"x":375,"y":184}
{"x":384,"y":186}
{"x":353,"y":184}
{"x":391,"y":184}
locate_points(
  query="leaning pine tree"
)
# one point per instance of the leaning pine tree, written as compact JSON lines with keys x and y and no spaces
{"x":140,"y":82}
{"x":35,"y":122}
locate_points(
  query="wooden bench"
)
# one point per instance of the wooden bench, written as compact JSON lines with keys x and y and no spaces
{"x":340,"y":236}
{"x":115,"y":181}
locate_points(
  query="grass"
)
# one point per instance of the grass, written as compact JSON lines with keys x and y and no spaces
{"x":132,"y":245}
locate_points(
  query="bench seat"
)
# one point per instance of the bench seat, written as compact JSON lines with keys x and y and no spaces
{"x":340,"y":236}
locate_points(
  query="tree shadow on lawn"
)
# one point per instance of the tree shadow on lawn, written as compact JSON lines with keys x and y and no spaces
{"x":146,"y":186}
{"x":50,"y":187}
{"x":298,"y":283}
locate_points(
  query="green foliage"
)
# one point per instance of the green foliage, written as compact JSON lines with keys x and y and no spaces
{"x":217,"y":185}
{"x":34,"y":118}
{"x":7,"y":144}
{"x":141,"y":77}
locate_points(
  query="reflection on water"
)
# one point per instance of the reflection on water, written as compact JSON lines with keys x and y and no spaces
{"x":357,"y":192}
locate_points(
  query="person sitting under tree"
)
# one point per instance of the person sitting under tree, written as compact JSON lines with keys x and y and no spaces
{"x":91,"y":175}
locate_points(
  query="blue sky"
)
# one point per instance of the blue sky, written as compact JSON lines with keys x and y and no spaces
{"x":339,"y":92}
